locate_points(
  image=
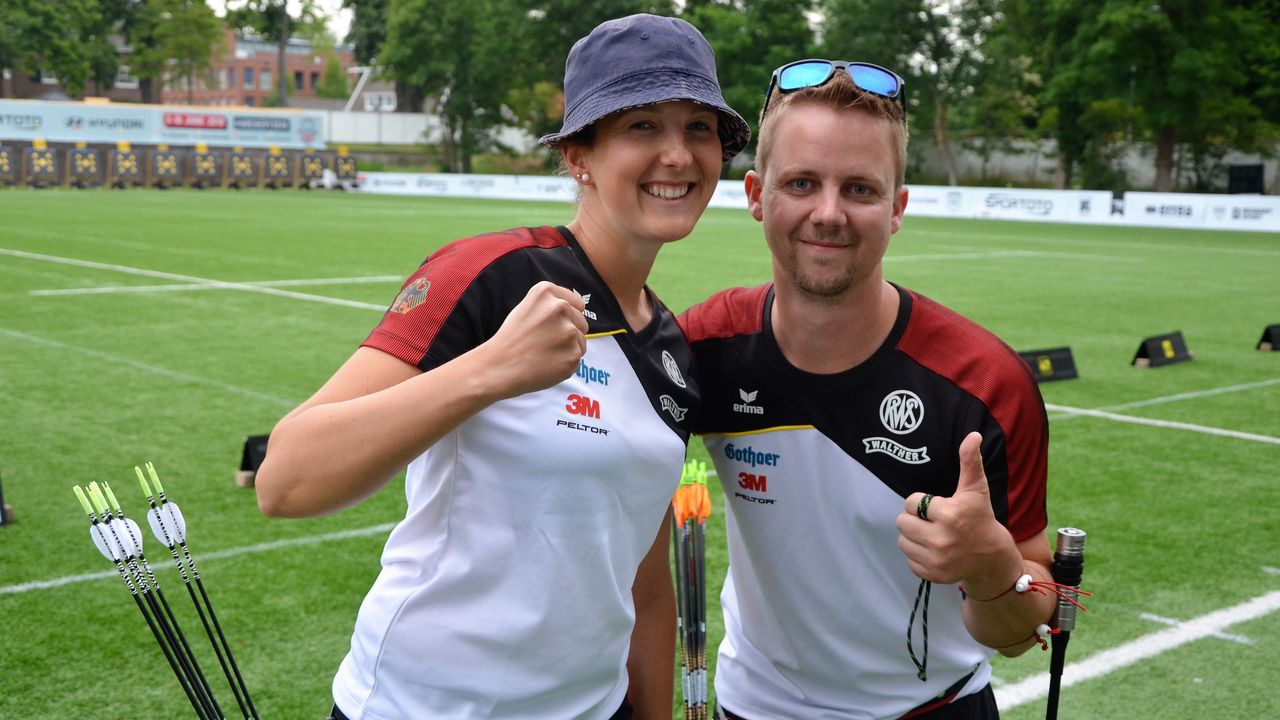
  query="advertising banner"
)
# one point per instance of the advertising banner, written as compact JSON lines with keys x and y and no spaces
{"x":1226,"y":212}
{"x":1220,"y":212}
{"x":109,"y":123}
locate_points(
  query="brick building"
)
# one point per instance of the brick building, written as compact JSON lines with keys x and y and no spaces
{"x":17,"y":85}
{"x":246,"y":73}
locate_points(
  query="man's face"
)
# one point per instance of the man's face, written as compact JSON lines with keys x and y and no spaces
{"x":827,"y":199}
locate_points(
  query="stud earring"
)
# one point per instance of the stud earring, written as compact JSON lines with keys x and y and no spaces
{"x":584,"y":177}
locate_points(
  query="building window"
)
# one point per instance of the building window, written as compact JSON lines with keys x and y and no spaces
{"x":125,"y":80}
{"x":248,"y":78}
{"x":224,"y":78}
{"x":380,"y":102}
{"x":248,"y":101}
{"x":47,"y":78}
{"x":315,"y":80}
{"x":297,"y":79}
{"x":265,"y":79}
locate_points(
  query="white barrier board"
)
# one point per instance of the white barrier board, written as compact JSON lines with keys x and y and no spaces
{"x":1219,"y":212}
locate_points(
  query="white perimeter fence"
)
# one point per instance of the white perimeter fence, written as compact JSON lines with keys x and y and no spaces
{"x":1259,"y":213}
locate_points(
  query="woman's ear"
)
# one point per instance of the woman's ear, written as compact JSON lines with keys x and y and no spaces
{"x":577,"y":161}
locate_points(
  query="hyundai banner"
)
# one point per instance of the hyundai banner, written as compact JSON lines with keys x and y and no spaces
{"x":110,"y":123}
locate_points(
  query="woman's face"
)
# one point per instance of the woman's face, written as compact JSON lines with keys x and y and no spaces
{"x":653,"y":170}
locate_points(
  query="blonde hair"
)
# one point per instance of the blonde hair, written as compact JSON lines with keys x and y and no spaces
{"x":839,"y":92}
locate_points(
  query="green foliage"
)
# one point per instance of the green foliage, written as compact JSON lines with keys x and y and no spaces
{"x":368,"y":30}
{"x":186,"y":37}
{"x":750,"y":39}
{"x":333,"y":84}
{"x":59,"y":37}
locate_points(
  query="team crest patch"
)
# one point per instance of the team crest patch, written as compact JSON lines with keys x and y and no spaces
{"x":413,"y":295}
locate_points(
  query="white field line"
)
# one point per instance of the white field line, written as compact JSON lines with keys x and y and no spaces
{"x":189,"y":288}
{"x":1172,"y":622}
{"x":174,"y":374}
{"x":217,"y":555}
{"x":191,"y":279}
{"x":1176,"y":398}
{"x":1165,"y":424}
{"x":1147,"y":646}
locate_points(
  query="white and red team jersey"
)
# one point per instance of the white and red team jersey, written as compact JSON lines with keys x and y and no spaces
{"x":815,"y":469}
{"x":506,"y":590}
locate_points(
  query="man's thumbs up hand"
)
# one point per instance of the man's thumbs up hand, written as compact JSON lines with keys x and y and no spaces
{"x":954,"y":539}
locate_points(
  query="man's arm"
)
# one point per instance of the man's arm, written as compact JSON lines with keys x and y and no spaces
{"x":651,"y":665}
{"x":962,"y":542}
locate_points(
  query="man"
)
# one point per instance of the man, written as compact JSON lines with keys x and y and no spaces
{"x":871,"y":443}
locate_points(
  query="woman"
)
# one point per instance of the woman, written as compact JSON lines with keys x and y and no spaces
{"x":538,"y":392}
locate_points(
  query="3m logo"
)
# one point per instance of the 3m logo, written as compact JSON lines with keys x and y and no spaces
{"x":745,"y":406}
{"x":753,"y":482}
{"x":583,"y":405}
{"x":901,"y":411}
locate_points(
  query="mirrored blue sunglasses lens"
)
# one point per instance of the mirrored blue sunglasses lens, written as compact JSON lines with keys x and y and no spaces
{"x":874,"y":80}
{"x":804,"y":75}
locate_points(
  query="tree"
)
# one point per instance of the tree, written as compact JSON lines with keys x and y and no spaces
{"x":367,"y":35}
{"x":935,"y":45}
{"x":186,"y":37}
{"x":545,"y":30}
{"x":58,"y":37}
{"x":368,"y":29}
{"x":333,"y":83}
{"x":271,"y":20}
{"x":1260,"y":56}
{"x":454,"y":52}
{"x":750,"y":39}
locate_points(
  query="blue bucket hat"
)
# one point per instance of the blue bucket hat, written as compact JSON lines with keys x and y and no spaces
{"x":642,"y":60}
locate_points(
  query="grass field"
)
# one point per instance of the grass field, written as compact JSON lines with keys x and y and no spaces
{"x":122,"y":342}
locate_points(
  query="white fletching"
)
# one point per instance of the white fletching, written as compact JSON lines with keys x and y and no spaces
{"x":160,"y":527}
{"x":126,"y":531}
{"x":174,"y":522}
{"x":104,"y":545}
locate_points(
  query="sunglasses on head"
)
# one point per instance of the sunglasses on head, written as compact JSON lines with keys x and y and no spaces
{"x":803,"y":74}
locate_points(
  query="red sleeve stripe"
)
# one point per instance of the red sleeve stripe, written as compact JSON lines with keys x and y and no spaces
{"x":962,"y":351}
{"x":737,"y":311}
{"x":450,"y":270}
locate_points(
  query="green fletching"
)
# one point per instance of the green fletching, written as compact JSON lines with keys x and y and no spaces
{"x":95,"y":494}
{"x":155,"y":479}
{"x":142,"y":480}
{"x":115,"y":504}
{"x":84,"y":501}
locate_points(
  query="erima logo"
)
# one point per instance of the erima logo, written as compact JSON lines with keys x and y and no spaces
{"x":901,"y":411}
{"x":745,"y":406}
{"x":669,"y":405}
{"x":586,"y":300}
{"x":673,"y":370}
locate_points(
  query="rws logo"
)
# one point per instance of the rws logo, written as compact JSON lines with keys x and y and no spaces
{"x":901,"y":411}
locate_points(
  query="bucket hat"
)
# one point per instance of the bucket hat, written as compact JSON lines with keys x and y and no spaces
{"x":641,"y":60}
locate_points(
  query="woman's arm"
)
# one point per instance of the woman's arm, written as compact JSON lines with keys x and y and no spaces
{"x":377,"y":412}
